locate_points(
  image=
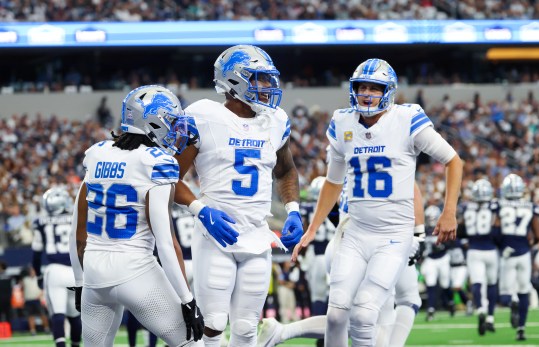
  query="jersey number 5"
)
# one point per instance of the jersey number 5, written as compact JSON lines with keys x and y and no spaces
{"x":120,"y":221}
{"x":252,"y":170}
{"x":379,"y":183}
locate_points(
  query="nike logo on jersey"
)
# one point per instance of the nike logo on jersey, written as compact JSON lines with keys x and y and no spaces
{"x":211,"y":220}
{"x":393,"y":242}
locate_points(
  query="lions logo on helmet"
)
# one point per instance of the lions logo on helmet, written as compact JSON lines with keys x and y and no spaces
{"x":374,"y":71}
{"x":56,"y":201}
{"x":482,"y":190}
{"x":512,"y":187}
{"x":156,"y":112}
{"x":238,"y":71}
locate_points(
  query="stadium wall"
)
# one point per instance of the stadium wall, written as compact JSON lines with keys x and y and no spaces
{"x":84,"y":105}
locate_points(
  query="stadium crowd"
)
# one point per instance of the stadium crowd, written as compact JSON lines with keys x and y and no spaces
{"x":494,"y":137}
{"x":135,"y":11}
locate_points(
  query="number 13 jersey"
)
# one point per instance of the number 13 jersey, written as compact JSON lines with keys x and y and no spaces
{"x":381,"y":162}
{"x":235,"y":162}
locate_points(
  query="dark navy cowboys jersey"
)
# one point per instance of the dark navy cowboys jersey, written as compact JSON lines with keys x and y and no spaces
{"x":326,"y":231}
{"x":432,"y":250}
{"x":477,"y":224}
{"x":184,"y":225}
{"x":515,"y":218}
{"x":51,"y":236}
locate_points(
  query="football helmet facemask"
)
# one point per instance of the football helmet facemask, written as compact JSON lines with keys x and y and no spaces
{"x":240,"y":69}
{"x":512,"y":187}
{"x":482,"y":190}
{"x":57,"y":201}
{"x":373,"y":71}
{"x":156,"y":112}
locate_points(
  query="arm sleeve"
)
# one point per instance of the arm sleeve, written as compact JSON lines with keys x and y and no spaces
{"x":336,"y":166}
{"x":73,"y":256}
{"x":433,"y":144}
{"x":161,"y":227}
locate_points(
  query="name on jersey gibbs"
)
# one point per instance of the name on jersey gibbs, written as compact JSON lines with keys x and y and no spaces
{"x":369,"y":149}
{"x":108,"y":169}
{"x":246,"y":142}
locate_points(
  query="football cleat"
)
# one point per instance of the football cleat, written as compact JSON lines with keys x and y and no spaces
{"x":482,"y":326}
{"x":270,"y":333}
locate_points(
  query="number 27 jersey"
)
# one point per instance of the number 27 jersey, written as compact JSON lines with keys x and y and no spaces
{"x":381,"y":163}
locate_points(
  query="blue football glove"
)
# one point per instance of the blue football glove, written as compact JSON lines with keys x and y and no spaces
{"x":292,"y":230}
{"x":217,"y":224}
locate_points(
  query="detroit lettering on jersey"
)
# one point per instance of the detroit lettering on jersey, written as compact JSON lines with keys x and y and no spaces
{"x":369,"y":149}
{"x":254,"y":143}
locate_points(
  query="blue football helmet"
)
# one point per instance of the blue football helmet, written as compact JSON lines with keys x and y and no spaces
{"x":57,"y":201}
{"x":512,"y":187}
{"x":156,"y":112}
{"x":237,"y":71}
{"x":374,"y":71}
{"x":482,"y":190}
{"x":432,"y":214}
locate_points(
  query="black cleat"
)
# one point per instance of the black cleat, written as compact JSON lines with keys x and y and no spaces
{"x":482,"y":327}
{"x":430,"y":316}
{"x":514,"y":314}
{"x":490,"y":327}
{"x":520,"y":334}
{"x":451,"y":309}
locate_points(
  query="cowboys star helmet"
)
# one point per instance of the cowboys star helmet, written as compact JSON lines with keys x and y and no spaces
{"x":239,"y":69}
{"x":482,"y":190}
{"x":315,"y":187}
{"x":512,"y":187}
{"x":432,"y":214}
{"x":373,"y":71}
{"x":156,"y":112}
{"x":56,"y":201}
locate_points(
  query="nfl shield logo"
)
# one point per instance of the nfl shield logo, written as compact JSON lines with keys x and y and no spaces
{"x":246,"y":127}
{"x":368,"y":136}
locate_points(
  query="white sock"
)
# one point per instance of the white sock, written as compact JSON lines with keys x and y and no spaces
{"x":403,"y":325}
{"x":490,"y":319}
{"x":212,"y":341}
{"x":312,"y":327}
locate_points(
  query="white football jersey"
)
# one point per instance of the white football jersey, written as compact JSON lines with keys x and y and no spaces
{"x":235,"y":162}
{"x":117,"y":182}
{"x":381,"y":162}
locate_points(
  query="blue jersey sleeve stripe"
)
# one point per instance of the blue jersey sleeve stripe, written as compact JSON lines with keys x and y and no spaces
{"x":331,"y":133}
{"x":287,"y":131}
{"x":166,"y":171}
{"x":165,"y":175}
{"x":418,"y":117}
{"x":192,"y":126}
{"x":418,"y":124}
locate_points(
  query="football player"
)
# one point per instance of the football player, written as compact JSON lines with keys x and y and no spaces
{"x":435,"y":267}
{"x":122,"y":213}
{"x":482,"y":261}
{"x":51,"y":237}
{"x":516,"y":216}
{"x":375,"y":143}
{"x":238,"y":147}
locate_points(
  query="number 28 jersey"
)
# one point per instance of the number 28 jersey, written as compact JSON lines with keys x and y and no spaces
{"x":381,"y":163}
{"x":235,"y":162}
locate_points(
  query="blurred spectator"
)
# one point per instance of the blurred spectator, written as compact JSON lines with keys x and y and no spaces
{"x":287,"y":298}
{"x":104,"y":116}
{"x":33,"y":296}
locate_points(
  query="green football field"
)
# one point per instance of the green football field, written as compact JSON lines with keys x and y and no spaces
{"x":443,"y":331}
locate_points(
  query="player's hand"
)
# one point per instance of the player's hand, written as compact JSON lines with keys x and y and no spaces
{"x":507,"y":251}
{"x":446,"y":228}
{"x":292,"y":230}
{"x":415,"y":252}
{"x":306,"y":239}
{"x":218,"y":225}
{"x":78,"y":296}
{"x":193,"y":320}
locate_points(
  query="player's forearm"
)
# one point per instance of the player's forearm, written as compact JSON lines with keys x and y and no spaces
{"x":453,"y":183}
{"x":288,"y":186}
{"x":182,"y":194}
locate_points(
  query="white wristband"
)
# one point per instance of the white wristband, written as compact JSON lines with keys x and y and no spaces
{"x":195,"y":207}
{"x":419,"y":230}
{"x":187,"y":298}
{"x":292,"y":206}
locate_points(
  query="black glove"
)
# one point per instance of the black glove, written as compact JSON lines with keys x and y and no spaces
{"x":78,"y":295}
{"x":418,"y":254}
{"x":193,"y":320}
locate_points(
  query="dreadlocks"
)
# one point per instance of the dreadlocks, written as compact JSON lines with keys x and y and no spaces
{"x":130,"y":141}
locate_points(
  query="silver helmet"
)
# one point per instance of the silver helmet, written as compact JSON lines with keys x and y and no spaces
{"x":238,"y":71}
{"x":156,"y":112}
{"x":315,"y":187}
{"x":432,"y":214}
{"x":57,"y":201}
{"x":374,"y":71}
{"x":512,"y":187}
{"x":482,"y":190}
